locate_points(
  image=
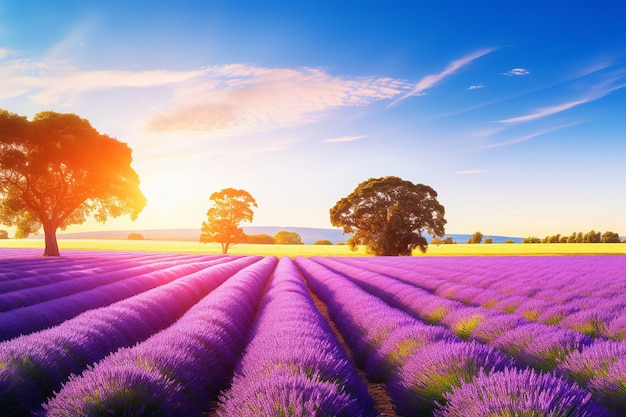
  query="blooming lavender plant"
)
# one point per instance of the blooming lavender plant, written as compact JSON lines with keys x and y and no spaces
{"x":432,"y":371}
{"x":34,"y":365}
{"x":182,"y":368}
{"x":294,"y":365}
{"x":52,"y":312}
{"x":364,"y":320}
{"x":58,"y":288}
{"x":519,"y":393}
{"x":601,"y":368}
{"x":540,"y":346}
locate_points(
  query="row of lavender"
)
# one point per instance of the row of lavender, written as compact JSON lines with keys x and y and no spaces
{"x":598,"y":365}
{"x":576,"y":293}
{"x":191,"y":334}
{"x":429,"y":369}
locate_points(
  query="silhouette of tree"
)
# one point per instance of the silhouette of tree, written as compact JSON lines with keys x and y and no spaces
{"x":389,"y":215}
{"x":57,"y":170}
{"x":231,"y":207}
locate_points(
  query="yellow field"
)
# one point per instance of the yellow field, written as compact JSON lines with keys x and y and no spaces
{"x":322,"y":250}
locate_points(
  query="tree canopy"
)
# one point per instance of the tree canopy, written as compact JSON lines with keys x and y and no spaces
{"x":231,"y":207}
{"x":389,"y":215}
{"x":56,"y":170}
{"x":477,"y":237}
{"x":285,"y":237}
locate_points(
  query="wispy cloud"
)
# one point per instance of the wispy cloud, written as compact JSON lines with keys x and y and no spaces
{"x":223,"y":99}
{"x":52,"y":82}
{"x":4,"y":52}
{"x":243,"y":98}
{"x":434,"y":79}
{"x":472,"y":172}
{"x":529,"y":136}
{"x":475,"y":87}
{"x":344,"y":139}
{"x":517,"y":72}
{"x":75,"y":37}
{"x":596,"y":93}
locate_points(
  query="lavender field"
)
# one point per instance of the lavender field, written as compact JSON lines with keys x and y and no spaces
{"x":160,"y":334}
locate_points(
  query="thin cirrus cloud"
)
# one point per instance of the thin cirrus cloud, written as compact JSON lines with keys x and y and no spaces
{"x":597,"y":93}
{"x":517,"y":72}
{"x":434,"y":79}
{"x":344,"y":139}
{"x":528,"y":137}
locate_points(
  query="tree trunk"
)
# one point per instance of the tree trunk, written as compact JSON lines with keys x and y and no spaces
{"x":50,"y":235}
{"x":225,"y":248}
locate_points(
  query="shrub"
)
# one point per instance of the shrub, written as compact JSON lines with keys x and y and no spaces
{"x":323,"y":242}
{"x":135,"y":236}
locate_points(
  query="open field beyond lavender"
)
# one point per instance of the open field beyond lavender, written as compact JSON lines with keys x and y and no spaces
{"x":114,"y":333}
{"x":318,"y":250}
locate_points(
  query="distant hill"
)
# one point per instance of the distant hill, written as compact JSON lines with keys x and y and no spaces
{"x":309,"y":234}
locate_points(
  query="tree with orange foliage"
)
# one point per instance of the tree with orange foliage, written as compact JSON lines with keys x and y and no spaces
{"x":56,"y":170}
{"x":231,"y":207}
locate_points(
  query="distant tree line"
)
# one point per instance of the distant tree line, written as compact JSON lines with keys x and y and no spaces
{"x":578,"y":237}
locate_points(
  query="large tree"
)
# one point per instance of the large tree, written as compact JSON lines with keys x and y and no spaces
{"x":230,"y":208}
{"x":389,"y":215}
{"x":57,"y":170}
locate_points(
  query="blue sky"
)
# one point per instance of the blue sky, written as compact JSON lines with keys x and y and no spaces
{"x":515,"y":113}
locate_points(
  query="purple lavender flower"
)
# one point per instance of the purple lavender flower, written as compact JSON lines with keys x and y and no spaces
{"x":435,"y":369}
{"x":463,"y":320}
{"x":514,"y":392}
{"x":590,"y":322}
{"x":184,"y":366}
{"x":601,"y":368}
{"x":616,"y":328}
{"x":294,"y":365}
{"x":34,"y":365}
{"x":591,"y":361}
{"x":495,"y":325}
{"x":610,"y":387}
{"x":540,"y":346}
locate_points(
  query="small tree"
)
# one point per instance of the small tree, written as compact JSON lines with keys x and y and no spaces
{"x":231,"y":207}
{"x":56,"y":170}
{"x":610,"y":237}
{"x":477,"y":237}
{"x":323,"y":242}
{"x":288,"y":238}
{"x":4,"y":234}
{"x":135,"y":236}
{"x":488,"y":240}
{"x":389,"y":215}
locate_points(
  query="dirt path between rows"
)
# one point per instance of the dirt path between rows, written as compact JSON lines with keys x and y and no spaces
{"x":382,"y":400}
